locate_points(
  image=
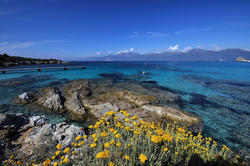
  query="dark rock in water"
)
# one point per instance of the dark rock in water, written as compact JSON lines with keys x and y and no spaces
{"x":149,"y":82}
{"x":138,"y":76}
{"x":24,"y":80}
{"x":115,"y":76}
{"x":234,"y":88}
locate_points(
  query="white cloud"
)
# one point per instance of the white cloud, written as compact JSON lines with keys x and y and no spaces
{"x":125,"y":51}
{"x":98,"y":53}
{"x":186,"y":49}
{"x":173,"y":48}
{"x":6,"y":46}
{"x":148,"y":35}
{"x":131,"y":49}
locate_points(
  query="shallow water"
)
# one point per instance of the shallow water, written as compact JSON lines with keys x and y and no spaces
{"x":218,"y":92}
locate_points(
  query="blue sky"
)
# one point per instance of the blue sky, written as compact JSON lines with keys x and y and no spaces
{"x":74,"y":29}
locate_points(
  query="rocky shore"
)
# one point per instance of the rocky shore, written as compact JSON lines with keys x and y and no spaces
{"x":23,"y":135}
{"x":84,"y":100}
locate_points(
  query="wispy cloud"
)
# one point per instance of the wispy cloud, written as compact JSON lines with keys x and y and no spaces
{"x":173,"y":48}
{"x":186,"y":49}
{"x":6,"y":46}
{"x":148,"y":35}
{"x":125,"y":51}
{"x":194,"y":30}
{"x":98,"y":53}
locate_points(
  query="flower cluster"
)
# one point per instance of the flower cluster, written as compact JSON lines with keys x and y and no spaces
{"x":121,"y":139}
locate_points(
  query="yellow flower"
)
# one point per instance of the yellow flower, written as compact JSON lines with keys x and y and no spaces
{"x":166,"y":137}
{"x":73,"y":152}
{"x":111,"y":130}
{"x":85,"y":136}
{"x":93,"y":145}
{"x":237,"y":156}
{"x":111,"y":163}
{"x":94,"y":135}
{"x":104,"y":134}
{"x":62,"y":157}
{"x":53,"y":157}
{"x":46,"y":162}
{"x":91,"y":126}
{"x":118,"y":124}
{"x":59,"y":146}
{"x":55,"y":164}
{"x":127,"y":157}
{"x":11,"y":157}
{"x":66,"y":160}
{"x":78,"y":137}
{"x":165,"y":149}
{"x":118,"y":135}
{"x":159,"y":131}
{"x":136,"y":132}
{"x":112,"y":141}
{"x":126,"y":120}
{"x":66,"y":150}
{"x":129,"y":145}
{"x":134,"y":117}
{"x":127,"y":128}
{"x":143,"y":158}
{"x":104,"y":154}
{"x":156,"y":139}
{"x":107,"y":144}
{"x":181,"y":130}
{"x":176,"y":153}
{"x":118,"y":144}
{"x":82,"y":142}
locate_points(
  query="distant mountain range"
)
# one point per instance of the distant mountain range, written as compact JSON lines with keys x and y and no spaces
{"x":191,"y":55}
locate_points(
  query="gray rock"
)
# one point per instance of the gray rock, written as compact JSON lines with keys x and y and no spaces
{"x":74,"y":107}
{"x":51,"y":99}
{"x":24,"y":98}
{"x":34,"y":133}
{"x":100,"y":109}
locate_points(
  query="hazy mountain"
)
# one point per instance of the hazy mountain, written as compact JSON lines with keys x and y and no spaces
{"x":192,"y":55}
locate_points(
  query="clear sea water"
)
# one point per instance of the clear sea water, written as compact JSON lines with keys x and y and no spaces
{"x":218,"y":92}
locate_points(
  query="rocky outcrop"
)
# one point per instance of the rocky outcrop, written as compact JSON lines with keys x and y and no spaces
{"x":173,"y":115}
{"x":74,"y":107}
{"x":85,"y":99}
{"x":30,"y":133}
{"x":51,"y":99}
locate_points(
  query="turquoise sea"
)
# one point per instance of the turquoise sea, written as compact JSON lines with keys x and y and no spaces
{"x":218,"y":92}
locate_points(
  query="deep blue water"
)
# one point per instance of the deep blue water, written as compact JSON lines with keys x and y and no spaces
{"x":218,"y":92}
